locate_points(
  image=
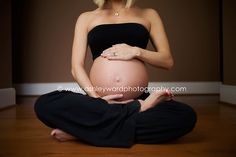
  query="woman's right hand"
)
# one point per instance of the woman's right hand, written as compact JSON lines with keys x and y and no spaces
{"x":112,"y":99}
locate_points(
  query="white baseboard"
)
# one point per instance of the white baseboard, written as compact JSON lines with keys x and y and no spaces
{"x":228,"y":94}
{"x":191,"y":87}
{"x":42,"y":88}
{"x":7,"y":97}
{"x":186,"y":87}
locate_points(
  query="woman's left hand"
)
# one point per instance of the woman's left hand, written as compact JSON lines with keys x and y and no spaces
{"x":120,"y":52}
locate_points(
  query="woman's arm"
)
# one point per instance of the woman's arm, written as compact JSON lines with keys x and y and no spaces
{"x":162,"y":57}
{"x":79,"y":50}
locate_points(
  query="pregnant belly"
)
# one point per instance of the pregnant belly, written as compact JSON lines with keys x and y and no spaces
{"x":116,"y":76}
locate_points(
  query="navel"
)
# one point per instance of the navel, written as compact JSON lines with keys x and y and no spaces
{"x":117,"y":79}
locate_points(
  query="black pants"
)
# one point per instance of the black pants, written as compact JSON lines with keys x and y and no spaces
{"x":96,"y":122}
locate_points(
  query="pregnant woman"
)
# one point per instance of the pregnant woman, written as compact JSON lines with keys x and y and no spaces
{"x":117,"y":112}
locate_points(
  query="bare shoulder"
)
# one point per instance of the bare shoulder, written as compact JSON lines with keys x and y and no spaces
{"x":88,"y":17}
{"x":150,"y":11}
{"x":84,"y":19}
{"x":151,"y":14}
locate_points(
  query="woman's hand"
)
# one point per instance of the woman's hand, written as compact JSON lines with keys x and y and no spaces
{"x":112,"y":99}
{"x":120,"y":52}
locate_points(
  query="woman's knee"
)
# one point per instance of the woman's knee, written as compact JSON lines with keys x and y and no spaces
{"x":189,"y":118}
{"x":44,"y":111}
{"x":183,"y":115}
{"x":41,"y":106}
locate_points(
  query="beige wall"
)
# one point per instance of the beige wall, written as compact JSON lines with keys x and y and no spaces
{"x":229,"y":40}
{"x":45,"y":34}
{"x":192,"y":28}
{"x":5,"y":44}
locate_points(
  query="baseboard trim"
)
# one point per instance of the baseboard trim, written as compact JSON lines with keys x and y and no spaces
{"x":190,"y":87}
{"x":228,"y":94}
{"x":7,"y":97}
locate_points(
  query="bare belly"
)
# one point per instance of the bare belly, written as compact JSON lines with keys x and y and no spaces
{"x":116,"y":76}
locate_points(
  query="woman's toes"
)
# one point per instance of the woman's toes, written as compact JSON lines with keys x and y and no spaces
{"x":61,"y":135}
{"x":53,"y":132}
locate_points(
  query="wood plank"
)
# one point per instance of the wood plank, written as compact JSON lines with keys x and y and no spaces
{"x":22,"y":134}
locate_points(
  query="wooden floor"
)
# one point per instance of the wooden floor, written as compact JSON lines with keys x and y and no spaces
{"x":21,"y":134}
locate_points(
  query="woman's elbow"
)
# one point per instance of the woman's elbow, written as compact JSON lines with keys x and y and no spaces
{"x":76,"y":69}
{"x":169,"y":63}
{"x":73,"y":72}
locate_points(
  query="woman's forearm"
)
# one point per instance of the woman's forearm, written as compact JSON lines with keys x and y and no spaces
{"x":157,"y":59}
{"x":84,"y":82}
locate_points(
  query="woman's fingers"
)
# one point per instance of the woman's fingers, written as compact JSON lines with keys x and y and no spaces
{"x":108,"y":51}
{"x":169,"y":94}
{"x":118,"y":52}
{"x":113,"y":96}
{"x":115,"y":58}
{"x":112,"y":99}
{"x":122,"y":102}
{"x":126,"y":101}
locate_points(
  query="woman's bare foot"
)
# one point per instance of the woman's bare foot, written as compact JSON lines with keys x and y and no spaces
{"x":61,"y":135}
{"x":154,"y":98}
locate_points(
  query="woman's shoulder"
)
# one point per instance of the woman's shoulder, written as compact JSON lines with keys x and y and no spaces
{"x":88,"y":15}
{"x":85,"y":17}
{"x":150,"y":14}
{"x":149,"y":11}
{"x":94,"y":12}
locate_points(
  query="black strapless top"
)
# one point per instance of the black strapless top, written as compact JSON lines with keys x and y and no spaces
{"x":104,"y":36}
